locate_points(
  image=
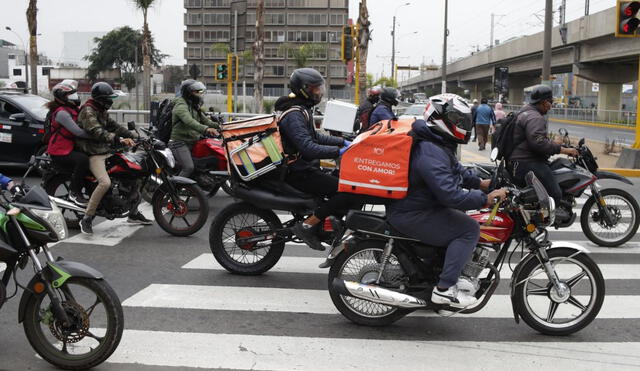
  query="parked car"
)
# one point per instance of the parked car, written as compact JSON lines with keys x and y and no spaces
{"x":416,"y":111}
{"x":21,"y":127}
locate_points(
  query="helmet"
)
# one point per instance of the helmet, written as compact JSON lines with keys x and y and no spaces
{"x":193,"y":91}
{"x":66,"y":92}
{"x":373,"y":94}
{"x":307,"y":83}
{"x":103,"y":93}
{"x":450,"y":116}
{"x":540,"y":93}
{"x":390,"y":95}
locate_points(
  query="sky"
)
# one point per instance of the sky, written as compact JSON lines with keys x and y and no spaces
{"x":419,"y":25}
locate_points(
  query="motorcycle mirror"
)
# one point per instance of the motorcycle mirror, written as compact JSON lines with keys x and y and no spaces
{"x":494,"y":154}
{"x":581,"y":142}
{"x":131,"y":125}
{"x":563,"y":132}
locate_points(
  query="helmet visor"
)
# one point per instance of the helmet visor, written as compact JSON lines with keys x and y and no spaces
{"x":459,"y":119}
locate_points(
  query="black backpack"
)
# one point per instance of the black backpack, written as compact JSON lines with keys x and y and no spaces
{"x":163,"y":124}
{"x":505,"y":135}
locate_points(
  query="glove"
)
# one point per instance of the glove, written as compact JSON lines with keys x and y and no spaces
{"x":346,"y":143}
{"x":343,"y":150}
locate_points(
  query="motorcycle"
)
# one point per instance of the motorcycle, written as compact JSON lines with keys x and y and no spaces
{"x":71,"y":316}
{"x":380,"y":275}
{"x":179,"y":205}
{"x":210,"y":166}
{"x":609,"y":217}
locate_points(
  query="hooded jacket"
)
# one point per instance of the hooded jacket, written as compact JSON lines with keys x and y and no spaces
{"x":381,"y":112}
{"x":436,"y":181}
{"x":103,"y":130}
{"x":188,"y":122}
{"x":531,"y":135}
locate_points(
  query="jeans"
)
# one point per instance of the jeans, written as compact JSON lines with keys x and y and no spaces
{"x":78,"y":164}
{"x":544,"y":174}
{"x":482,"y":130}
{"x":182,"y":153}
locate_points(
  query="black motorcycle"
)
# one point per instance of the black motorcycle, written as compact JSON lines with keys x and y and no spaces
{"x":71,"y":316}
{"x":609,"y":217}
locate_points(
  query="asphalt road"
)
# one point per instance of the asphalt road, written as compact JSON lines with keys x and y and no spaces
{"x":183,"y":311}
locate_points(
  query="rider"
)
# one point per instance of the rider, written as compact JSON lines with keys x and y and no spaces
{"x":388,"y":98}
{"x":63,"y":110}
{"x":534,"y":147}
{"x":104,"y":132}
{"x":366,"y":108}
{"x":189,"y":123}
{"x":306,"y":146}
{"x":433,"y":210}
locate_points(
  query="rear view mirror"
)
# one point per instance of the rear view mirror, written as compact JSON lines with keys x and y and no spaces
{"x":494,"y":154}
{"x":581,"y":142}
{"x":18,"y":117}
{"x":131,"y":125}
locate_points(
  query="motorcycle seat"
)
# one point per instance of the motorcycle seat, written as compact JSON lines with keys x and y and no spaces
{"x":374,"y":222}
{"x":266,"y":198}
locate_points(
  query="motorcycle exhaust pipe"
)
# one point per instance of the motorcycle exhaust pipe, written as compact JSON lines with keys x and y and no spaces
{"x":376,"y":294}
{"x":64,"y":204}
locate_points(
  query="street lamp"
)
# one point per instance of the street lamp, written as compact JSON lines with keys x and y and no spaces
{"x":393,"y":39}
{"x":26,"y":60}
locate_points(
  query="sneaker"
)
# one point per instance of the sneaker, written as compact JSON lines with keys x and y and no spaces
{"x":86,"y":224}
{"x":308,"y":236}
{"x":452,"y":297}
{"x":138,"y":218}
{"x":468,"y":285}
{"x":78,"y":199}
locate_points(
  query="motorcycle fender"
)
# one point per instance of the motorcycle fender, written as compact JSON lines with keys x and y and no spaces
{"x":57,"y":273}
{"x":181,"y":180}
{"x":333,"y":254}
{"x":610,"y":175}
{"x":569,"y":245}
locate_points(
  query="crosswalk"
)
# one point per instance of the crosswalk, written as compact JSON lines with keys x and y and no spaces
{"x":200,"y":316}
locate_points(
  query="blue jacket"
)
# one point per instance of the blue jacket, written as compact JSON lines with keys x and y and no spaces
{"x":484,"y":115}
{"x":436,"y":180}
{"x":381,"y":112}
{"x":4,"y":181}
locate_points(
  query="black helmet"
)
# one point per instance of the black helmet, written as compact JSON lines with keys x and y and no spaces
{"x":540,"y":93}
{"x":103,"y":93}
{"x":193,"y":91}
{"x":303,"y":83}
{"x":390,"y":96}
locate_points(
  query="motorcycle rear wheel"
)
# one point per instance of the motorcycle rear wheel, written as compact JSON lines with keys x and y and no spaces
{"x":241,"y":220}
{"x":176,"y":219}
{"x":622,"y":205}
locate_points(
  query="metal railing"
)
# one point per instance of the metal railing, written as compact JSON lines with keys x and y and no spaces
{"x":616,"y":117}
{"x":141,"y":117}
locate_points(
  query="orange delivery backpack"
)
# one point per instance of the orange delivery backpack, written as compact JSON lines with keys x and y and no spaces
{"x":377,"y":163}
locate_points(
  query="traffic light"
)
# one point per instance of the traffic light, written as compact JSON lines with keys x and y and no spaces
{"x":347,"y":43}
{"x":627,"y":18}
{"x":233,"y":61}
{"x":221,"y":71}
{"x":194,"y":71}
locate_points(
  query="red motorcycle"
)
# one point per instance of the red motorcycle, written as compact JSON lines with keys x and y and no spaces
{"x":210,"y":166}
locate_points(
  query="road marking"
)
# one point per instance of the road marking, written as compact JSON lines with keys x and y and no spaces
{"x":306,"y":265}
{"x":318,"y":301}
{"x":262,"y":352}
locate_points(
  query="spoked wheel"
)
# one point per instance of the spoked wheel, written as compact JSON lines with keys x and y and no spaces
{"x":59,"y":186}
{"x":624,"y":224}
{"x":568,"y":309}
{"x":184,"y":216}
{"x":362,"y":265}
{"x":236,"y":239}
{"x":92,"y":336}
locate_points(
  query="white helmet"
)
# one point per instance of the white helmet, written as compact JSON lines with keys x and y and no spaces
{"x":450,"y":116}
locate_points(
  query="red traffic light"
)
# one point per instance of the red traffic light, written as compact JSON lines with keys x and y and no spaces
{"x":627,"y":21}
{"x":630,"y":10}
{"x":631,"y":25}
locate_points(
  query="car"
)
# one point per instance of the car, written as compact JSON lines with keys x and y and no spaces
{"x":414,"y":111}
{"x":22,"y":119}
{"x":215,"y":92}
{"x":120,"y":93}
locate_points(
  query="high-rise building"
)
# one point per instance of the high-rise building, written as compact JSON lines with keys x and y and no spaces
{"x":288,"y":24}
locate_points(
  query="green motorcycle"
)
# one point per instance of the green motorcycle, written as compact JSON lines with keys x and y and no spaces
{"x":71,"y":316}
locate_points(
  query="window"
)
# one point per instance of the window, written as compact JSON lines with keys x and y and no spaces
{"x":274,"y":19}
{"x":17,"y":72}
{"x":319,"y":54}
{"x":274,"y":71}
{"x":216,"y":36}
{"x":308,"y":3}
{"x":338,"y":4}
{"x":338,"y":71}
{"x":251,"y":19}
{"x":217,"y":18}
{"x":46,"y":70}
{"x":307,"y":19}
{"x":192,"y":36}
{"x":338,"y":19}
{"x":216,"y":3}
{"x":335,"y":54}
{"x":307,"y":36}
{"x":193,"y":19}
{"x":274,"y":36}
{"x":193,"y":3}
{"x":334,"y":37}
{"x":249,"y":70}
{"x":7,"y":109}
{"x":211,"y":53}
{"x":273,"y":53}
{"x":207,"y":70}
{"x":250,"y":35}
{"x":193,"y":53}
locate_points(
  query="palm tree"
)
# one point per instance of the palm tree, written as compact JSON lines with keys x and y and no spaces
{"x":302,"y":53}
{"x":363,"y":37}
{"x":144,"y":5}
{"x":258,"y":56}
{"x":32,"y":23}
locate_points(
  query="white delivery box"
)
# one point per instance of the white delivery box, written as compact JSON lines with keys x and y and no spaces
{"x":339,"y":116}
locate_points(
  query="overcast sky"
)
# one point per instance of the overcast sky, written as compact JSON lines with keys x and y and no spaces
{"x":469,"y":24}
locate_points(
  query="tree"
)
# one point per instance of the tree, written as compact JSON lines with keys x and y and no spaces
{"x":386,"y":81}
{"x":302,"y":53}
{"x":258,"y":55}
{"x":370,"y":80}
{"x":363,"y":37}
{"x":32,"y":24}
{"x":173,"y":76}
{"x":118,"y":49}
{"x":144,"y":5}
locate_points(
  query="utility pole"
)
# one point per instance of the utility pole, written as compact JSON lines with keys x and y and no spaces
{"x":393,"y":46}
{"x":444,"y":48}
{"x":235,"y":52}
{"x":546,"y":51}
{"x":563,"y":21}
{"x":493,"y":17}
{"x":586,"y":7}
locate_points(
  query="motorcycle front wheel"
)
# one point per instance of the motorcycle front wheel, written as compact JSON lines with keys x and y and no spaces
{"x":184,"y":214}
{"x":563,"y":311}
{"x":97,"y":322}
{"x":241,"y":221}
{"x":623,"y":209}
{"x":59,"y":186}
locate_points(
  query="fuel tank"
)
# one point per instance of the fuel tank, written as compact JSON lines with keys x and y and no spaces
{"x":498,"y":231}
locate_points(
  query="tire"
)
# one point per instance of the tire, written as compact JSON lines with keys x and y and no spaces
{"x":112,"y":321}
{"x":166,"y":213}
{"x":345,"y":304}
{"x":58,"y":186}
{"x":594,"y":285}
{"x":223,"y":227}
{"x":587,"y":221}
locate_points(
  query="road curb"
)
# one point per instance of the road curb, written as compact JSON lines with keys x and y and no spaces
{"x":587,"y":123}
{"x":630,"y":173}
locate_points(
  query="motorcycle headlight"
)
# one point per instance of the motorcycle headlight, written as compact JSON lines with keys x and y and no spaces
{"x":54,"y":219}
{"x":168,"y":156}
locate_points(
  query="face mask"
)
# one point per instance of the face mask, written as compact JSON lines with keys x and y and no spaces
{"x":106,"y":103}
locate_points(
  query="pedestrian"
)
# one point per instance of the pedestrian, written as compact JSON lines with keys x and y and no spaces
{"x":500,"y":114}
{"x":483,"y":117}
{"x":474,"y":107}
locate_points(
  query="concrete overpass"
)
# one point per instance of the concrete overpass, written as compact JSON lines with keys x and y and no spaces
{"x":591,"y":52}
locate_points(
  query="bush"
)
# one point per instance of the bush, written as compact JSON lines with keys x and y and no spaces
{"x":268,"y":105}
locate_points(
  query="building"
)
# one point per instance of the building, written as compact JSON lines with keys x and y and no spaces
{"x":7,"y":49}
{"x":289,"y":24}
